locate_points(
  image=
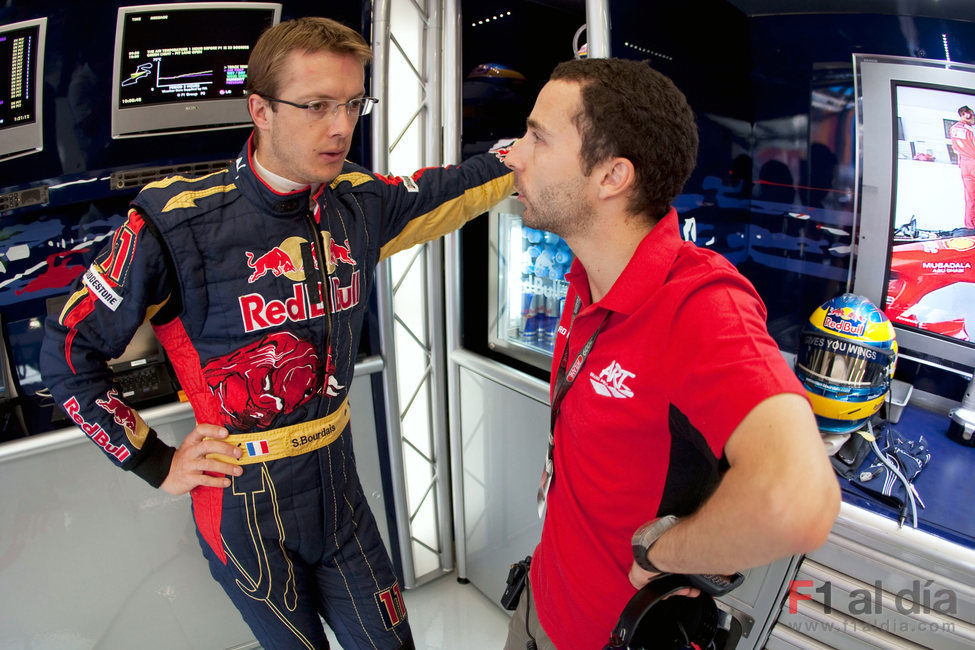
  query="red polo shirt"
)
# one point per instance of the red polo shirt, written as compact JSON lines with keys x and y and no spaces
{"x":682,"y":359}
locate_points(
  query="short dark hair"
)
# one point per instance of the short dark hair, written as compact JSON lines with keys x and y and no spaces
{"x":308,"y":34}
{"x":965,"y":109}
{"x":632,"y":111}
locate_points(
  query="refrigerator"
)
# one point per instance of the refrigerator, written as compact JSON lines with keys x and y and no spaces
{"x":527,"y":286}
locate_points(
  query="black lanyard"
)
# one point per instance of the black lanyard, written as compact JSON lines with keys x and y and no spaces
{"x":563,"y":382}
{"x":564,"y":378}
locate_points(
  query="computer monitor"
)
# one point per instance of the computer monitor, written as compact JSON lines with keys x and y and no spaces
{"x":915,"y":255}
{"x":21,"y":100}
{"x":142,"y":350}
{"x":181,"y":67}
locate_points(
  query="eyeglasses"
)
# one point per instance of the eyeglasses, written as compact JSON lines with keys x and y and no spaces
{"x":322,"y":108}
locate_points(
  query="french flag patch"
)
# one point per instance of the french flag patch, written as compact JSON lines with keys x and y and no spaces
{"x":258,"y":448}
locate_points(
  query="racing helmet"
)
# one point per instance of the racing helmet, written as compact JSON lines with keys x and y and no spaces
{"x":846,"y":358}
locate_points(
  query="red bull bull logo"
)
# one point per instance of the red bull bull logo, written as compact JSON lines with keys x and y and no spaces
{"x":845,"y":321}
{"x":264,"y":379}
{"x":275,"y":261}
{"x":502,"y":153}
{"x":94,"y":430}
{"x":121,"y":412}
{"x":337,"y":253}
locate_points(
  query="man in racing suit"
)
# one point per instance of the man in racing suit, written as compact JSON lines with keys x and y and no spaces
{"x":962,"y":135}
{"x":255,"y":279}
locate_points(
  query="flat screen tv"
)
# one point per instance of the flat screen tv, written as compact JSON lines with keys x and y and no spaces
{"x":21,"y":99}
{"x":181,"y":67}
{"x":916,"y":201}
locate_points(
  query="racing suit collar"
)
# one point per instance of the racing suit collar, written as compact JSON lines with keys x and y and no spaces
{"x":256,"y":189}
{"x":279,"y":183}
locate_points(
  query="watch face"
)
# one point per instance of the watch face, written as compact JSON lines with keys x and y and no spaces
{"x":646,"y":535}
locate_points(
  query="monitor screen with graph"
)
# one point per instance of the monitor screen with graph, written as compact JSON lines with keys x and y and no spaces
{"x":181,"y":67}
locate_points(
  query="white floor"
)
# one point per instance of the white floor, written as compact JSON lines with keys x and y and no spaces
{"x":446,"y":614}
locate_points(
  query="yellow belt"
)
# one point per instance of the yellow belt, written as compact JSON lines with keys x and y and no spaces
{"x":293,"y":440}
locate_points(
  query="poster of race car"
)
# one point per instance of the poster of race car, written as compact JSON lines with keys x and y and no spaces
{"x":931,"y":284}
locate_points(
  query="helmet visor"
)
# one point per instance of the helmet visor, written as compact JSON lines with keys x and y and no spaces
{"x":843,"y":363}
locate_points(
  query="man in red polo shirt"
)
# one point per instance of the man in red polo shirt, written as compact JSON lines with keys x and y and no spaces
{"x":963,"y":143}
{"x":672,"y":397}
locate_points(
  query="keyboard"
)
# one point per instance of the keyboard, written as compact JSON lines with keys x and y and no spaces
{"x":147,"y":382}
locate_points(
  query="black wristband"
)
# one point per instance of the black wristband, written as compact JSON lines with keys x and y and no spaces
{"x":155,"y":459}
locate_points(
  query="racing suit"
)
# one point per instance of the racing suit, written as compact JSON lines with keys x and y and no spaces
{"x":963,"y":143}
{"x":260,"y":345}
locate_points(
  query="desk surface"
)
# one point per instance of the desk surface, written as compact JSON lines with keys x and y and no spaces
{"x":946,"y":485}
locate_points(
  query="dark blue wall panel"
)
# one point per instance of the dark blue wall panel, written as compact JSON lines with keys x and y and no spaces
{"x":44,"y":247}
{"x":774,"y":99}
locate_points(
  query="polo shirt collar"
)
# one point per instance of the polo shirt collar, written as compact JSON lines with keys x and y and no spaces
{"x":644,"y":274}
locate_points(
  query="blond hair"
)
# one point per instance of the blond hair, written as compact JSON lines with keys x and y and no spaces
{"x":309,"y":34}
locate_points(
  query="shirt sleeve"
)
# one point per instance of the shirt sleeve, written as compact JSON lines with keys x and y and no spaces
{"x":438,"y":200}
{"x":729,"y":362}
{"x":127,"y":282}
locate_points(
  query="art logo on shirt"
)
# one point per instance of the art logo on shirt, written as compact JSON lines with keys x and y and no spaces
{"x":611,"y":381}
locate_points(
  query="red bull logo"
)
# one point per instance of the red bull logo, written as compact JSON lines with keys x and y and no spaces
{"x":845,"y":321}
{"x":264,"y":379}
{"x":275,"y":261}
{"x":94,"y":431}
{"x":337,"y":253}
{"x":257,"y":312}
{"x":502,"y":149}
{"x":124,"y":416}
{"x":502,"y":152}
{"x":285,"y":259}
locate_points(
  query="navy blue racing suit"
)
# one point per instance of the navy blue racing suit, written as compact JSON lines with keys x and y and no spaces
{"x":260,"y":345}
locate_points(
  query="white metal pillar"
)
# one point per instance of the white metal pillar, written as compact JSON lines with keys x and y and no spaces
{"x":407,"y":41}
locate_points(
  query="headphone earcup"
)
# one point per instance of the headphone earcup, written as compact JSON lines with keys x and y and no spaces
{"x":677,"y":622}
{"x":650,"y":620}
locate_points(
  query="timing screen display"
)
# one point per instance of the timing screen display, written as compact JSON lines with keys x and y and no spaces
{"x":187,"y":55}
{"x":18,"y":57}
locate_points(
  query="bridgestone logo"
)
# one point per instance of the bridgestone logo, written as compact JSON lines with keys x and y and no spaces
{"x":100,"y":288}
{"x":410,"y":184}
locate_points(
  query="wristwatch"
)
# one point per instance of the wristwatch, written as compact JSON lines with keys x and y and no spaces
{"x":646,"y":535}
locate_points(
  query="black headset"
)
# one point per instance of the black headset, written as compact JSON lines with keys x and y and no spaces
{"x":651,"y":620}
